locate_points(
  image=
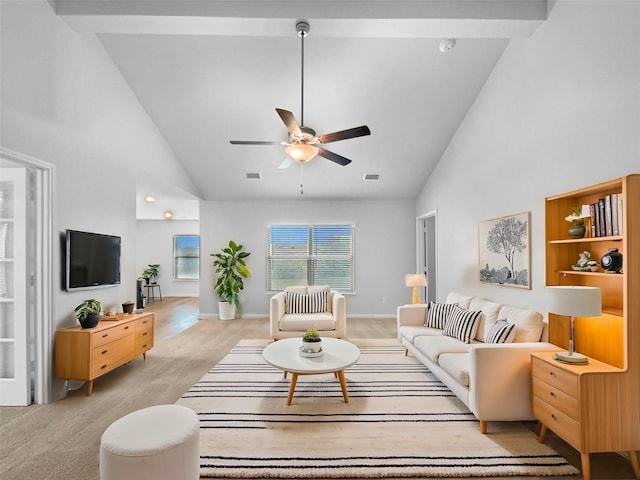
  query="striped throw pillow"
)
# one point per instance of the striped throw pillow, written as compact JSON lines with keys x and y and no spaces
{"x":501,"y":332}
{"x":462,"y":324}
{"x":438,"y":314}
{"x":305,"y":302}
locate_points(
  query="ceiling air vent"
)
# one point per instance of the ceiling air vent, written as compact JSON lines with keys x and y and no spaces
{"x":372,"y":176}
{"x":253,"y":175}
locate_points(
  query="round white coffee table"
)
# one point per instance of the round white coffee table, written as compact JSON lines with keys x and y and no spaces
{"x":338,"y":355}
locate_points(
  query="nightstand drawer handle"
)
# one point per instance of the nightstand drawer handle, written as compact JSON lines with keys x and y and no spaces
{"x":145,"y":333}
{"x":105,"y":335}
{"x":553,"y":416}
{"x":103,"y":367}
{"x":104,"y":351}
{"x":552,"y":394}
{"x":126,"y":328}
{"x":552,"y":374}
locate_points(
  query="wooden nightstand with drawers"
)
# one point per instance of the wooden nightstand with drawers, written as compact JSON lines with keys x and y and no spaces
{"x":577,"y":402}
{"x":87,"y":353}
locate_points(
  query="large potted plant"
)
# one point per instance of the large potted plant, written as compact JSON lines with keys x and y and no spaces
{"x":231,"y":269}
{"x":88,"y":313}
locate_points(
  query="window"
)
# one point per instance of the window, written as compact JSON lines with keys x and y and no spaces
{"x":186,"y":257}
{"x":310,"y":255}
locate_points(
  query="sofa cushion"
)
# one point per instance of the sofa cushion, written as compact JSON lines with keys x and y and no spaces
{"x":410,"y":333}
{"x":298,"y":322}
{"x":501,"y":332}
{"x":432,"y":346}
{"x":305,"y":302}
{"x":528,"y":323}
{"x":462,"y":300}
{"x":438,"y":314}
{"x":489,"y":315}
{"x":456,"y":365}
{"x":462,"y":324}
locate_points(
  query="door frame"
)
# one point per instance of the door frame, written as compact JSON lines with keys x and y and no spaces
{"x":39,"y":269}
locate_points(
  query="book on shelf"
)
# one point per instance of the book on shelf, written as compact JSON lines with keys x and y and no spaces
{"x":592,"y":212}
{"x":601,"y":209}
{"x":608,"y":223}
{"x":615,"y":229}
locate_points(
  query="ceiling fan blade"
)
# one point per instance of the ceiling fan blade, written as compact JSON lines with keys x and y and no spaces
{"x":286,"y":163}
{"x":249,"y":142}
{"x":290,"y":121}
{"x":334,"y":157}
{"x":345,"y":134}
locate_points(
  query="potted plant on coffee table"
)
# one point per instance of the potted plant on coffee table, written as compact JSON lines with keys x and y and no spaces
{"x":311,"y":343}
{"x":231,"y":269}
{"x":88,"y":313}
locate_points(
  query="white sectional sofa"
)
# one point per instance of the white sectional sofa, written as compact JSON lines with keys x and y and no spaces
{"x":492,"y":379}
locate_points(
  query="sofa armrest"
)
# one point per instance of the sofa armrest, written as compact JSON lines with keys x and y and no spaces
{"x":413,"y":315}
{"x":276,"y":311}
{"x":500,"y":380}
{"x":339,"y":311}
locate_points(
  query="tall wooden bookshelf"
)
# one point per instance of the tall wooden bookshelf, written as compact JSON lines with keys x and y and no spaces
{"x":607,"y":418}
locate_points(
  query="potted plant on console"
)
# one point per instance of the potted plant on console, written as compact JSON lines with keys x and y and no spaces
{"x":88,"y":313}
{"x":231,"y":267}
{"x":150,"y":273}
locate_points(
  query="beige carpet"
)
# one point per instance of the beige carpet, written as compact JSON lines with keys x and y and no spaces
{"x":401,"y":421}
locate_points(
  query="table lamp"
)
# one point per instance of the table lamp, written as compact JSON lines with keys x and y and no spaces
{"x":415,"y":280}
{"x":574,"y":301}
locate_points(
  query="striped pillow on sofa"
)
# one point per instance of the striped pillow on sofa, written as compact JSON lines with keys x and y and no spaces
{"x":462,"y":324}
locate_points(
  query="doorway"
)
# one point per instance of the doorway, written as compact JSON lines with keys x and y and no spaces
{"x":427,"y":254}
{"x":26,"y":326}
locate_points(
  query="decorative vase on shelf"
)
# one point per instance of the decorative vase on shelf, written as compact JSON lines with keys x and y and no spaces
{"x":577,"y":231}
{"x":612,"y":261}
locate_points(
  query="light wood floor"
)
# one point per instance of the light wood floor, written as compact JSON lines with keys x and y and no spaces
{"x":62,"y":440}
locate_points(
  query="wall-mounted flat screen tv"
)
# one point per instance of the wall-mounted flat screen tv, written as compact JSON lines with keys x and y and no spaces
{"x":92,"y":260}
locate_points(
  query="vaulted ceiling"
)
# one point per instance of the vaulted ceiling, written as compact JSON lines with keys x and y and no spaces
{"x":211,"y":71}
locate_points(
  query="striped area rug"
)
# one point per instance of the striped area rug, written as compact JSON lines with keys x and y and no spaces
{"x":401,"y":422}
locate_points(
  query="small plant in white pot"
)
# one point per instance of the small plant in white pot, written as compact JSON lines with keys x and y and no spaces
{"x":311,"y":342}
{"x":231,"y":267}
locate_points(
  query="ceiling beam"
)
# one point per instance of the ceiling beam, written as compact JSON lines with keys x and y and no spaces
{"x":331,"y":18}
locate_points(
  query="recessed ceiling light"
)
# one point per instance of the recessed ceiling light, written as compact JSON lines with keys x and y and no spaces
{"x":253,"y":175}
{"x":372,"y":176}
{"x":150,"y":199}
{"x":168,"y":214}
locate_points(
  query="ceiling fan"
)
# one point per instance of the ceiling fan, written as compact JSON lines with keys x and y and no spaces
{"x":304,"y":144}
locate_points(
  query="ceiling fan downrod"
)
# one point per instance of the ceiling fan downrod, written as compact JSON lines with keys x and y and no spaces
{"x":302,"y":27}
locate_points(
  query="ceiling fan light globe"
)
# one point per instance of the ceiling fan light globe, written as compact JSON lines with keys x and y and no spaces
{"x":301,"y":152}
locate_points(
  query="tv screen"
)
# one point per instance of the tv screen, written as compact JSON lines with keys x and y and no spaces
{"x":92,"y":260}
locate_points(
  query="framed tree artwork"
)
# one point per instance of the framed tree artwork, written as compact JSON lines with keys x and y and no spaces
{"x":504,"y":251}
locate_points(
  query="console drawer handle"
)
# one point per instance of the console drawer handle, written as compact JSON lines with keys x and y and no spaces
{"x":145,"y":333}
{"x":104,"y":351}
{"x":552,"y":394}
{"x":126,"y":328}
{"x":105,"y":335}
{"x":103,"y":367}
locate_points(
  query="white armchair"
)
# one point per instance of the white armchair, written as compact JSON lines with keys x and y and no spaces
{"x":330,"y":322}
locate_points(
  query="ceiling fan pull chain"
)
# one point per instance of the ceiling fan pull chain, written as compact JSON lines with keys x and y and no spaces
{"x":301,"y":179}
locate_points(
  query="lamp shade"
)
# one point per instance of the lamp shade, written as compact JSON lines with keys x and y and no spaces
{"x":415,"y":280}
{"x":574,"y":301}
{"x":301,"y":152}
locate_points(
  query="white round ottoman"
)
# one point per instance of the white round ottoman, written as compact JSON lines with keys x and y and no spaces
{"x":155,"y":443}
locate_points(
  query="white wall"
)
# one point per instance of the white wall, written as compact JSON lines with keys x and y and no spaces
{"x":64,"y":101}
{"x":560,"y":111}
{"x":385,"y":248}
{"x":155,"y":245}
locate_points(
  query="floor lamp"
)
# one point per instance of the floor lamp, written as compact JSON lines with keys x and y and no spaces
{"x":415,"y":280}
{"x":574,"y":301}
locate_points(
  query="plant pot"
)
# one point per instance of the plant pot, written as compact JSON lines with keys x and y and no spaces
{"x":128,"y":307}
{"x":90,"y":321}
{"x":577,"y":231}
{"x":311,"y":347}
{"x":227,"y":311}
